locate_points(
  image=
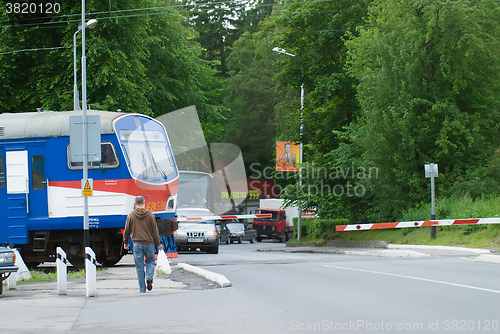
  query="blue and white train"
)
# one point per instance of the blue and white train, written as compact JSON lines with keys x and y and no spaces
{"x":41,"y":203}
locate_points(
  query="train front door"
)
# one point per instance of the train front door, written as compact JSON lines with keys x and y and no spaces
{"x":16,"y":185}
{"x":24,"y":192}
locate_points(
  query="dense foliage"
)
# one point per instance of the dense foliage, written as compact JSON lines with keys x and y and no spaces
{"x":389,"y":86}
{"x":429,"y":92}
{"x":138,"y":61}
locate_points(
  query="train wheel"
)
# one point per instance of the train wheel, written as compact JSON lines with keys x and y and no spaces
{"x":110,"y":263}
{"x":78,"y":262}
{"x":32,"y":265}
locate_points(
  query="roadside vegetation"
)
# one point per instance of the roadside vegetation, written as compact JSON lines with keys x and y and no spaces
{"x":388,"y":86}
{"x":478,"y":236}
{"x":41,"y":275}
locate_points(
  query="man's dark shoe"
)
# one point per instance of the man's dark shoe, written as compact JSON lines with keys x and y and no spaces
{"x":149,"y":282}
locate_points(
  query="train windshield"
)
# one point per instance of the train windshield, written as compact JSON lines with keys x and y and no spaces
{"x":146,"y":149}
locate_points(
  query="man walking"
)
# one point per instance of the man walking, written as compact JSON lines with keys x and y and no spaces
{"x":141,"y":225}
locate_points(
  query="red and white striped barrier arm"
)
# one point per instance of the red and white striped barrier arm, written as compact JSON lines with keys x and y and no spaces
{"x":187,"y":219}
{"x":440,"y":222}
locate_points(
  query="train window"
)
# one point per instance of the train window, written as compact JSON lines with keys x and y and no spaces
{"x":2,"y":171}
{"x":109,"y":158}
{"x":38,"y":172}
{"x":108,"y":155}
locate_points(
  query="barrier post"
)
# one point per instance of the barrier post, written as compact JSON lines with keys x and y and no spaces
{"x":431,"y":171}
{"x":62,"y":271}
{"x":90,"y":272}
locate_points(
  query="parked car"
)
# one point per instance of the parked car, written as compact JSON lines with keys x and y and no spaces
{"x":193,"y":235}
{"x":7,"y":266}
{"x":223,"y":233}
{"x":240,"y":232}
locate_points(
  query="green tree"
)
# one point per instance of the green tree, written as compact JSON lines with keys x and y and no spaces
{"x":137,"y":60}
{"x":315,"y":32}
{"x":429,"y":90}
{"x":215,"y":23}
{"x":251,"y":98}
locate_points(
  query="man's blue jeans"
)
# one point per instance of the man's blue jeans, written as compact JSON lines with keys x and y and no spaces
{"x":140,"y":251}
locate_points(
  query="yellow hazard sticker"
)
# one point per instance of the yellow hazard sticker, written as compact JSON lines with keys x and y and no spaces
{"x":87,"y":187}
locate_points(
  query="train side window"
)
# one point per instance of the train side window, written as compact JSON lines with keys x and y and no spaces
{"x":2,"y":171}
{"x":38,"y":172}
{"x":109,"y":158}
{"x":108,"y":155}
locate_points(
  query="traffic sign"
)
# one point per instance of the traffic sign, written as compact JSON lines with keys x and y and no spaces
{"x":93,"y":138}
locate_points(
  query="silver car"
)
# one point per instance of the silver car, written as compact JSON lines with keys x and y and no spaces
{"x":7,"y":266}
{"x":200,"y":234}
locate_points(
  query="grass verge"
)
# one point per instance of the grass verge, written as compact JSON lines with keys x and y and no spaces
{"x":40,"y":275}
{"x":475,"y":236}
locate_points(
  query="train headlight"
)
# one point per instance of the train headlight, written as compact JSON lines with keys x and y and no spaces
{"x":171,"y":204}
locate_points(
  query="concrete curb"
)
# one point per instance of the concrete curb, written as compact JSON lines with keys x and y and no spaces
{"x":424,"y":247}
{"x":330,"y":250}
{"x":388,"y":253}
{"x":216,"y":278}
{"x":357,"y":244}
{"x":488,"y":258}
{"x":322,"y":250}
{"x":304,"y":244}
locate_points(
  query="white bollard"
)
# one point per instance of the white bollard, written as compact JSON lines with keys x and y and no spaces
{"x":90,"y":272}
{"x":21,"y":274}
{"x":62,"y":271}
{"x":12,"y":281}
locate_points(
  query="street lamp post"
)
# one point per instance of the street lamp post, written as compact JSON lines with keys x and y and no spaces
{"x":90,"y":24}
{"x":299,"y":218}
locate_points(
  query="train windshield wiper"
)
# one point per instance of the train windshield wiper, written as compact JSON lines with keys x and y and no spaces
{"x":158,"y":168}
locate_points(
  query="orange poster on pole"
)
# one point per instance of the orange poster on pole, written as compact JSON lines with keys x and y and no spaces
{"x":287,"y":156}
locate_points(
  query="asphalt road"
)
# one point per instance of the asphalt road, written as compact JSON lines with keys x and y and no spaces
{"x":278,"y":292}
{"x":274,"y":292}
{"x":247,"y":253}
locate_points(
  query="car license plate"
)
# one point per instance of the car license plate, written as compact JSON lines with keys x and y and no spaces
{"x":263,"y":235}
{"x":195,"y":240}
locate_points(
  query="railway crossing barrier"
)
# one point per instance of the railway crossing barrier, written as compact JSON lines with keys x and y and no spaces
{"x":421,"y":223}
{"x":186,"y":219}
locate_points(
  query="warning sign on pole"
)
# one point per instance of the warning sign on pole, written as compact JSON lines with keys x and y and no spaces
{"x":87,"y":187}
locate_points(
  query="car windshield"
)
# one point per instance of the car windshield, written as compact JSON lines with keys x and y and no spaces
{"x":194,"y":189}
{"x":274,"y":218}
{"x":235,"y":227}
{"x":197,"y":222}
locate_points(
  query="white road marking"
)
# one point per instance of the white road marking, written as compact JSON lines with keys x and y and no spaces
{"x":414,"y":278}
{"x":464,"y":258}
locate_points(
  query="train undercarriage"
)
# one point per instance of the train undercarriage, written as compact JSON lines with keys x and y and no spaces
{"x":106,"y":243}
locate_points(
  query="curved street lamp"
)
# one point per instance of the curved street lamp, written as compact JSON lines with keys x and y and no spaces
{"x":91,"y":24}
